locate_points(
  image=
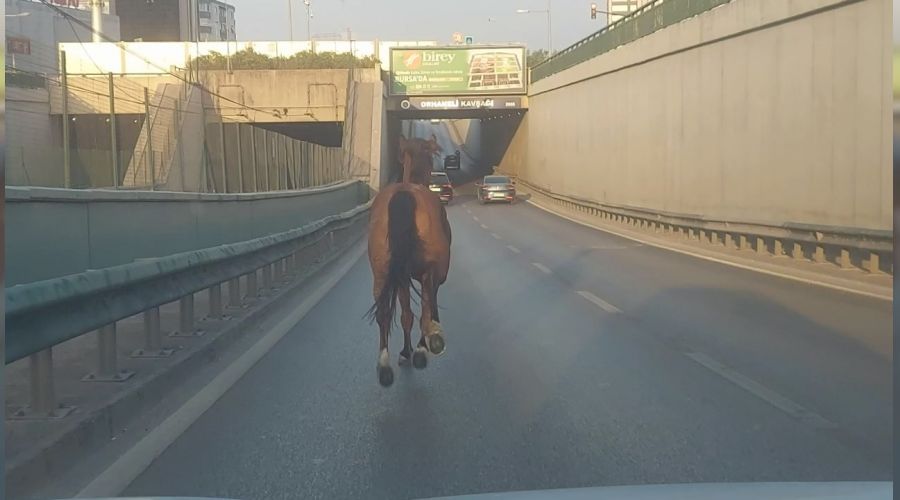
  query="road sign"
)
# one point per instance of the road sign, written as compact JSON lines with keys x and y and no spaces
{"x":457,"y":37}
{"x":470,"y":40}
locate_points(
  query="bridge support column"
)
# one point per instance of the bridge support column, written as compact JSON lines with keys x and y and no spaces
{"x":153,"y":347}
{"x":107,"y":358}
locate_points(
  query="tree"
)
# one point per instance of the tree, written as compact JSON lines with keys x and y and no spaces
{"x":536,"y":57}
{"x":250,"y":59}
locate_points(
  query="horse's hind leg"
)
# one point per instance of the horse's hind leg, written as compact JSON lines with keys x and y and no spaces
{"x":406,"y":321}
{"x":383,"y":317}
{"x":432,"y":336}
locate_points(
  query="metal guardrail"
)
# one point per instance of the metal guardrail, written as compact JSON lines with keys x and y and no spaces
{"x":848,"y":248}
{"x":651,"y":17}
{"x":43,"y":314}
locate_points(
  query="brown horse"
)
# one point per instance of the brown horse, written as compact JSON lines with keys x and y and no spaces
{"x":409,"y":239}
{"x":416,"y":157}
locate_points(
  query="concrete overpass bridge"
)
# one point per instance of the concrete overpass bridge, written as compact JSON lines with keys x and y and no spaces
{"x":695,"y":286}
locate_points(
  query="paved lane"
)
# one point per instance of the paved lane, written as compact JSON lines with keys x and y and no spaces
{"x":574,"y":359}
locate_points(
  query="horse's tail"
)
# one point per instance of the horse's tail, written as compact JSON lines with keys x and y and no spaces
{"x":403,"y":241}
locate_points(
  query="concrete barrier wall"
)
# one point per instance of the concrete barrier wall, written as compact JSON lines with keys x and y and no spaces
{"x":56,"y":232}
{"x":767,"y":111}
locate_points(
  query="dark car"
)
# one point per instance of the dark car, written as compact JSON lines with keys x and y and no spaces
{"x":440,"y":184}
{"x":451,"y":162}
{"x":496,"y":188}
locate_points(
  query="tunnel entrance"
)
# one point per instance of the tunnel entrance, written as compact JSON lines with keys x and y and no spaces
{"x":481,"y":134}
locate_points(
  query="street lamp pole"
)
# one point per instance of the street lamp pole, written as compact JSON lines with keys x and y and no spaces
{"x":549,"y":31}
{"x":549,"y":24}
{"x":291,"y":20}
{"x":308,"y":17}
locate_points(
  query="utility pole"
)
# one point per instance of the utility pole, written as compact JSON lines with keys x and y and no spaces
{"x":97,"y":20}
{"x":113,"y":139}
{"x":64,"y":80}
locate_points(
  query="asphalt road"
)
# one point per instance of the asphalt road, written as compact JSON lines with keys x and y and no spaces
{"x":575,"y":358}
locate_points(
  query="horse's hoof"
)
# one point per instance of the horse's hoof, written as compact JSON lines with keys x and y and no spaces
{"x":436,"y":344}
{"x":420,"y":358}
{"x":385,"y":376}
{"x":403,"y":360}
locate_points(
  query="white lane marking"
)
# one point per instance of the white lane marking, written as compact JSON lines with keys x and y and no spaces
{"x":768,"y":395}
{"x":483,"y":226}
{"x":513,"y":249}
{"x":602,"y":304}
{"x":888,"y":295}
{"x":615,"y":247}
{"x":125,"y":469}
{"x":544,"y":269}
{"x":475,"y":219}
{"x":496,"y":236}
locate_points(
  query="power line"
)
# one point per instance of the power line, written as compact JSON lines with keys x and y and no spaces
{"x":72,"y":18}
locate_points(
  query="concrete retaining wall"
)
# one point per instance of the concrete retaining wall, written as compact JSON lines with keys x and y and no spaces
{"x":56,"y":232}
{"x":767,"y":111}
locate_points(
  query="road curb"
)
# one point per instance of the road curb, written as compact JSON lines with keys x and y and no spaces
{"x":90,"y":429}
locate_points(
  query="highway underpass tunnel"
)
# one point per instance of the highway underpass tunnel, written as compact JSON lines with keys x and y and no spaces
{"x":481,"y":141}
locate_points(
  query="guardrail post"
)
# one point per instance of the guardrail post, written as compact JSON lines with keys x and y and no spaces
{"x":215,"y":302}
{"x":761,"y":247}
{"x":819,"y":255}
{"x":797,"y":251}
{"x":844,"y":259}
{"x":153,"y":347}
{"x":252,"y":288}
{"x":42,"y":391}
{"x":743,"y":242}
{"x":871,"y":264}
{"x":267,"y":277}
{"x":729,"y":241}
{"x":107,"y":358}
{"x":234,"y":293}
{"x":186,"y":327}
{"x":778,"y":248}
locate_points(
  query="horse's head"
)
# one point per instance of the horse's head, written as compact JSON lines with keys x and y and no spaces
{"x":417,"y":158}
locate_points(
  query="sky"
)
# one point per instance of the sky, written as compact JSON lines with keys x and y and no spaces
{"x":488,"y":21}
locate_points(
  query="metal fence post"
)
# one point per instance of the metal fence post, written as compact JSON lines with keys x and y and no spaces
{"x":266,"y":178}
{"x":148,"y":158}
{"x":107,"y":358}
{"x":153,"y":347}
{"x":186,"y":327}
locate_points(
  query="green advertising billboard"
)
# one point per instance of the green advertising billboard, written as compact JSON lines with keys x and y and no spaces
{"x":457,"y":70}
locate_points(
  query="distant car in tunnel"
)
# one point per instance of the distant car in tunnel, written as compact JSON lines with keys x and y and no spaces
{"x":451,"y":162}
{"x":496,"y":188}
{"x":440,"y":184}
